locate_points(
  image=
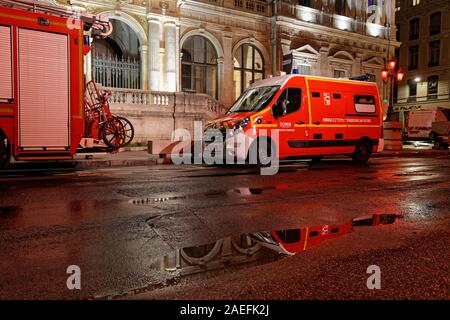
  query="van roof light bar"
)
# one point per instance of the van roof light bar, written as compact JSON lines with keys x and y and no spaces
{"x":363,"y":77}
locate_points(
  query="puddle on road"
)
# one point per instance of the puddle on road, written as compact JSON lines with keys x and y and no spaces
{"x":242,"y":191}
{"x":246,"y":250}
{"x":8,"y":211}
{"x":413,"y":174}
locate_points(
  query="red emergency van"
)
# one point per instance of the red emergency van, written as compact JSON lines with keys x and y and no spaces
{"x":306,"y":116}
{"x":42,"y":80}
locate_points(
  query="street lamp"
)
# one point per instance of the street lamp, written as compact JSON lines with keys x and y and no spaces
{"x":390,"y":75}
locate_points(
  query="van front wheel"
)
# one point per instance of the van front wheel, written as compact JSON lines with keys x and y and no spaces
{"x":363,"y":151}
{"x":5,"y":152}
{"x":261,"y":153}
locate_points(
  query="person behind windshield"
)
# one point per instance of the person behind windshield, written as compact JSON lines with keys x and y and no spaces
{"x":282,"y":104}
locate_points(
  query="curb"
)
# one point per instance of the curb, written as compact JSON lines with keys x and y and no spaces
{"x":156,"y":160}
{"x":94,"y":164}
{"x":430,"y":153}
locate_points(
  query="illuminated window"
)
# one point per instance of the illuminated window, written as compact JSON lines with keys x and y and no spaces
{"x":199,"y":66}
{"x":304,"y":69}
{"x":433,"y":83}
{"x":434,"y":53}
{"x":415,"y":3}
{"x":248,"y":67}
{"x":398,"y":5}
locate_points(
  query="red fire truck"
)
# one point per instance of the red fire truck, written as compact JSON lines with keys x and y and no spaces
{"x":44,"y":114}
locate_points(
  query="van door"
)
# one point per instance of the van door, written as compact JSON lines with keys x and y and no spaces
{"x":292,"y":121}
{"x":328,"y":130}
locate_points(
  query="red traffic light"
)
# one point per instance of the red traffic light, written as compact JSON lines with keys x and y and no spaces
{"x":384,"y":74}
{"x":392,"y":64}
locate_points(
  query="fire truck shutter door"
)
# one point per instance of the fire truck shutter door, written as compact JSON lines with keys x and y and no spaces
{"x":43,"y":90}
{"x":5,"y":65}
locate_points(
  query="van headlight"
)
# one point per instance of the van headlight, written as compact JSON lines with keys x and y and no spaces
{"x":241,"y":125}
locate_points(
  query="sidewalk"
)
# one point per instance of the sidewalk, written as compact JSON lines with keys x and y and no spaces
{"x":142,"y":158}
{"x":120,"y":159}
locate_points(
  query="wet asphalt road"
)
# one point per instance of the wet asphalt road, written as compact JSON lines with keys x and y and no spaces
{"x":118,"y":224}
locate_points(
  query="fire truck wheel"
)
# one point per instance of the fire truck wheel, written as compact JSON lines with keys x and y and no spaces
{"x":363,"y":151}
{"x":5,"y":152}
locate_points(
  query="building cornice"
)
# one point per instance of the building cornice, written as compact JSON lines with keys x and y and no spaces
{"x":333,"y":32}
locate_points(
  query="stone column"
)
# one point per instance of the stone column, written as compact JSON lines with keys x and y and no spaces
{"x":143,"y":51}
{"x":357,"y":67}
{"x":88,"y":61}
{"x":171,"y":55}
{"x":227,"y":86}
{"x":220,"y":72}
{"x":88,"y":66}
{"x":323,"y":62}
{"x":154,"y":61}
{"x":178,"y":58}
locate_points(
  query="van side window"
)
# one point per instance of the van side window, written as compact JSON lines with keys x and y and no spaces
{"x":6,"y":93}
{"x":365,"y":104}
{"x":289,"y":236}
{"x":290,"y":100}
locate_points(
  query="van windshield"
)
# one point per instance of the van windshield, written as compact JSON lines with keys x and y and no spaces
{"x":254,"y":99}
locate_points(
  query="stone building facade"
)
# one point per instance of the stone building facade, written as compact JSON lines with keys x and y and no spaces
{"x":174,"y":61}
{"x":424,"y":31}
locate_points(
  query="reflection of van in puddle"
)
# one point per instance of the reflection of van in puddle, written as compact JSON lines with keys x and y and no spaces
{"x":302,"y":116}
{"x":293,"y":241}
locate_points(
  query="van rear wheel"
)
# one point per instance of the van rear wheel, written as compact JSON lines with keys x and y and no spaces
{"x":363,"y":151}
{"x":5,"y":152}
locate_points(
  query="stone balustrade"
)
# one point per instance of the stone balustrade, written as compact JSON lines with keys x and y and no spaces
{"x":155,"y":115}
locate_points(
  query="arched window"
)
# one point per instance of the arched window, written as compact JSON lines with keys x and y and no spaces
{"x":248,"y":67}
{"x":199,"y":66}
{"x":116,"y":59}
